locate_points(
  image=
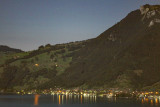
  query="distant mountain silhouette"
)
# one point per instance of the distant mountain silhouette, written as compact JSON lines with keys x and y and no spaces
{"x":4,"y":48}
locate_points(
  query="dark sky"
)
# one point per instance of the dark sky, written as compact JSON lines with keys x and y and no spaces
{"x":27,"y":24}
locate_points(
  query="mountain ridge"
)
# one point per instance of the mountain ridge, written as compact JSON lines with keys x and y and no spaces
{"x":107,"y":51}
{"x":126,"y":56}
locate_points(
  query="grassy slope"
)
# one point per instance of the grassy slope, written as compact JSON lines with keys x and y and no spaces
{"x":45,"y":60}
{"x":5,"y":56}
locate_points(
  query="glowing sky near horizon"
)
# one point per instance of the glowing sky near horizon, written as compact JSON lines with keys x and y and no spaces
{"x":27,"y":24}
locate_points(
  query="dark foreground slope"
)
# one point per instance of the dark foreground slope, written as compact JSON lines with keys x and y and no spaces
{"x":126,"y":56}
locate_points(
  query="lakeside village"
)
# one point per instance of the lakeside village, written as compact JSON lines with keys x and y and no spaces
{"x":109,"y":93}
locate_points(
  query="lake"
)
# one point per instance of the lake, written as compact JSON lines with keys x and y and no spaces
{"x":74,"y":101}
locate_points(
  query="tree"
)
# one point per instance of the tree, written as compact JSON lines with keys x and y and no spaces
{"x":41,"y":47}
{"x":48,"y":45}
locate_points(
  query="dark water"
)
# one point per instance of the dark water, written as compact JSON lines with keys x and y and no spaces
{"x":73,"y":101}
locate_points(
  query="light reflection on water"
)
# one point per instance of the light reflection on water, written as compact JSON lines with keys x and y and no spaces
{"x":59,"y":99}
{"x":67,"y":99}
{"x":36,"y":98}
{"x":81,"y":99}
{"x":150,"y":101}
{"x":71,"y":100}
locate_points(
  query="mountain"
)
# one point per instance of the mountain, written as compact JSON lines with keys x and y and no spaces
{"x":34,"y":69}
{"x":126,"y":56}
{"x":8,"y":49}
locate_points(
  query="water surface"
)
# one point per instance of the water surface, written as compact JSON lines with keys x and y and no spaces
{"x":73,"y":101}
